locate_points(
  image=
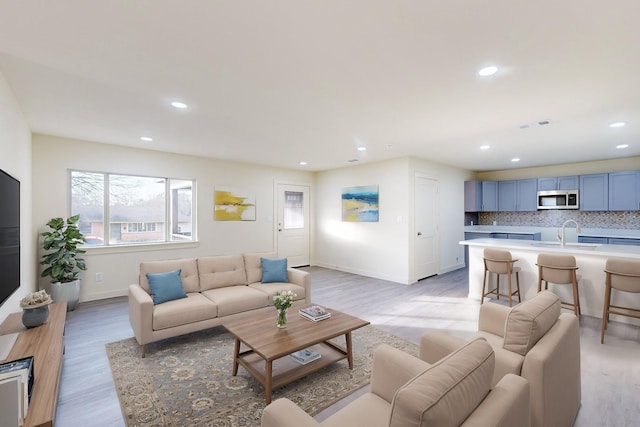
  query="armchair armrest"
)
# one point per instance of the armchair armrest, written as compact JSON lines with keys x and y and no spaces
{"x":391,"y":369}
{"x":285,"y":413}
{"x":507,"y":404}
{"x":436,"y":345}
{"x":301,"y":278}
{"x":492,"y":318}
{"x":140,"y":313}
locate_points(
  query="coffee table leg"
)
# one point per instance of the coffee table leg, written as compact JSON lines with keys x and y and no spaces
{"x":347,"y":338}
{"x":236,"y":354}
{"x":267,"y":380}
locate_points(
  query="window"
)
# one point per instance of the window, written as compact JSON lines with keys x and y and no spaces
{"x":120,"y":209}
{"x":293,"y":209}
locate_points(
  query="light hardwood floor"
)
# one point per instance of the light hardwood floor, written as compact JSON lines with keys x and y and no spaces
{"x":610,"y":372}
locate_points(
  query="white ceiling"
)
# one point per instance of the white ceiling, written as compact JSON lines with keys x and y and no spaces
{"x":281,"y":81}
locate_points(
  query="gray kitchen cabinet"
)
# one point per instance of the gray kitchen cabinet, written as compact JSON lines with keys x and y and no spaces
{"x":594,"y":192}
{"x":624,"y":241}
{"x":507,"y":193}
{"x":624,"y":191}
{"x":489,"y":196}
{"x":518,"y":236}
{"x":593,"y":239}
{"x":518,"y":195}
{"x":472,"y":196}
{"x":527,"y":195}
{"x":571,"y":182}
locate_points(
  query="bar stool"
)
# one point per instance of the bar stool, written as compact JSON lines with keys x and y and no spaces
{"x":624,"y":276}
{"x":499,"y":262}
{"x":561,"y":270}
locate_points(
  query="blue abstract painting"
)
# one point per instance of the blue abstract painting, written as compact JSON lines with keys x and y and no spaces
{"x":360,"y":204}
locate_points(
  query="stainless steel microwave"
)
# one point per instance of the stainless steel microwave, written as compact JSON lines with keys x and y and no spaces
{"x":558,"y":199}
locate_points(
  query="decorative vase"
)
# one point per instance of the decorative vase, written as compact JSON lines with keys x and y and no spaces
{"x":282,"y":318}
{"x":36,"y":316}
{"x":68,"y":291}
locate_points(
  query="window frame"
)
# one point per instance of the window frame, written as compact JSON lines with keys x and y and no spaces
{"x":167,"y":234}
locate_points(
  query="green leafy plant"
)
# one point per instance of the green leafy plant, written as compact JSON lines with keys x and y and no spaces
{"x":62,"y":241}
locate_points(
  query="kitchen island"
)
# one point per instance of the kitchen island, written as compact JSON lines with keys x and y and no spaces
{"x":590,"y":258}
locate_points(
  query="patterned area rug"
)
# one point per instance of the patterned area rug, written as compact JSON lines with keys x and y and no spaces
{"x":187,"y":380}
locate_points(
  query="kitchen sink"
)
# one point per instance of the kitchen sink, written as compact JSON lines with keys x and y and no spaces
{"x":584,"y":246}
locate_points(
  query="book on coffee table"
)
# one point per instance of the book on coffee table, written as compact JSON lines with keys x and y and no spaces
{"x":315,"y":313}
{"x":305,"y":356}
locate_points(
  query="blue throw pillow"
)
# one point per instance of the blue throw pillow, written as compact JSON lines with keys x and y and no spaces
{"x":274,"y":270}
{"x":166,"y":286}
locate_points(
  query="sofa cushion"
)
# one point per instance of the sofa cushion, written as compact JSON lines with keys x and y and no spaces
{"x":253,"y":266}
{"x":528,"y":321}
{"x":221,"y":271}
{"x":165,"y":286}
{"x":193,"y":308}
{"x":448,"y":391}
{"x":271,"y":288}
{"x":236,"y":299}
{"x":274,"y":270}
{"x":188,"y":275}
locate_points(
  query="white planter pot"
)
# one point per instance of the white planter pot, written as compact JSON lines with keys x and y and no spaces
{"x":69,"y":292}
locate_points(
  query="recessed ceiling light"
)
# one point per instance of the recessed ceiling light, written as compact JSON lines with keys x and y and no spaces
{"x":303,"y":163}
{"x":488,"y":71}
{"x":621,"y":146}
{"x":617,"y":124}
{"x":146,"y":138}
{"x":515,"y":159}
{"x":485,"y":147}
{"x":362,"y":148}
{"x":178,"y":104}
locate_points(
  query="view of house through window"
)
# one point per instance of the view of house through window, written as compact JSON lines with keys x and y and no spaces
{"x":137,"y":209}
{"x":293,"y":209}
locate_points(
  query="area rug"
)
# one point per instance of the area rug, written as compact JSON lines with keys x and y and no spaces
{"x":187,"y":381}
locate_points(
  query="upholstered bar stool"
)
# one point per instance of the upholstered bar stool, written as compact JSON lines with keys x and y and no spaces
{"x":560,"y":270}
{"x":500,"y":263}
{"x":622,"y":275}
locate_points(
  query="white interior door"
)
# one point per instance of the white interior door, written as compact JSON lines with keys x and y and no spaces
{"x":426,"y":227}
{"x":293,"y":231}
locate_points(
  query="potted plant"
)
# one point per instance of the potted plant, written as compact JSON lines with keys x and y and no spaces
{"x":61,"y":259}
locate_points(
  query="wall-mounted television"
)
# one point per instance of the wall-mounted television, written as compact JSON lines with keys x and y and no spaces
{"x":9,"y":235}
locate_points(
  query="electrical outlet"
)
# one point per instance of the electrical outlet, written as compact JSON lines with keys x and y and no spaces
{"x":98,"y":277}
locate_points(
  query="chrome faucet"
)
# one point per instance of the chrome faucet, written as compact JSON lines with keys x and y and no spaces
{"x":561,"y":237}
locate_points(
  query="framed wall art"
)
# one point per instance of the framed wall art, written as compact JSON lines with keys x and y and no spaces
{"x":233,"y":204}
{"x":360,"y":204}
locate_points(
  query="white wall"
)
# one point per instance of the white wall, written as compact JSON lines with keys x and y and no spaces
{"x":15,"y":159}
{"x":384,"y":249}
{"x":53,"y":156}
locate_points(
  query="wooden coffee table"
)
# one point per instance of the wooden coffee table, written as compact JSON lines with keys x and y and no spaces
{"x":268,"y":346}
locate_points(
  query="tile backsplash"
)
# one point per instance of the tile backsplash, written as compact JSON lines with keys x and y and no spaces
{"x":555,"y":218}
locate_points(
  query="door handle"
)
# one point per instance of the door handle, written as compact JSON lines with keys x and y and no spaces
{"x":419,"y":233}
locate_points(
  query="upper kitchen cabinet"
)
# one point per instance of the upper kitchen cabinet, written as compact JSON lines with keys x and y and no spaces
{"x":480,"y":196}
{"x":507,"y":196}
{"x":594,"y":192}
{"x":624,"y":191}
{"x":518,"y":195}
{"x":559,"y":183}
{"x":489,"y":196}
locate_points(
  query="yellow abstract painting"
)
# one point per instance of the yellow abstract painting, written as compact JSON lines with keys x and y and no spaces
{"x":232,"y":204}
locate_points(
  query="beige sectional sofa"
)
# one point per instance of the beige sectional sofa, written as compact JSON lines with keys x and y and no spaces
{"x":218,"y":289}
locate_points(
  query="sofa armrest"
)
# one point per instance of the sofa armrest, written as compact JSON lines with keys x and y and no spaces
{"x":285,"y":413}
{"x":552,"y":367}
{"x":301,"y":278}
{"x":507,"y":404}
{"x":392,"y":368}
{"x":436,"y":345}
{"x":492,"y":318}
{"x":140,"y":313}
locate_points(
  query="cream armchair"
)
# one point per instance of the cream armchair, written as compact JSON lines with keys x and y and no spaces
{"x":532,"y":340}
{"x":406,"y":391}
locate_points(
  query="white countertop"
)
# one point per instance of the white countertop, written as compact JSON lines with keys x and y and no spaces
{"x":595,"y":232}
{"x":620,"y":251}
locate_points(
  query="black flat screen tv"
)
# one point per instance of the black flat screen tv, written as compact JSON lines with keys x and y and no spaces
{"x":9,"y":235}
